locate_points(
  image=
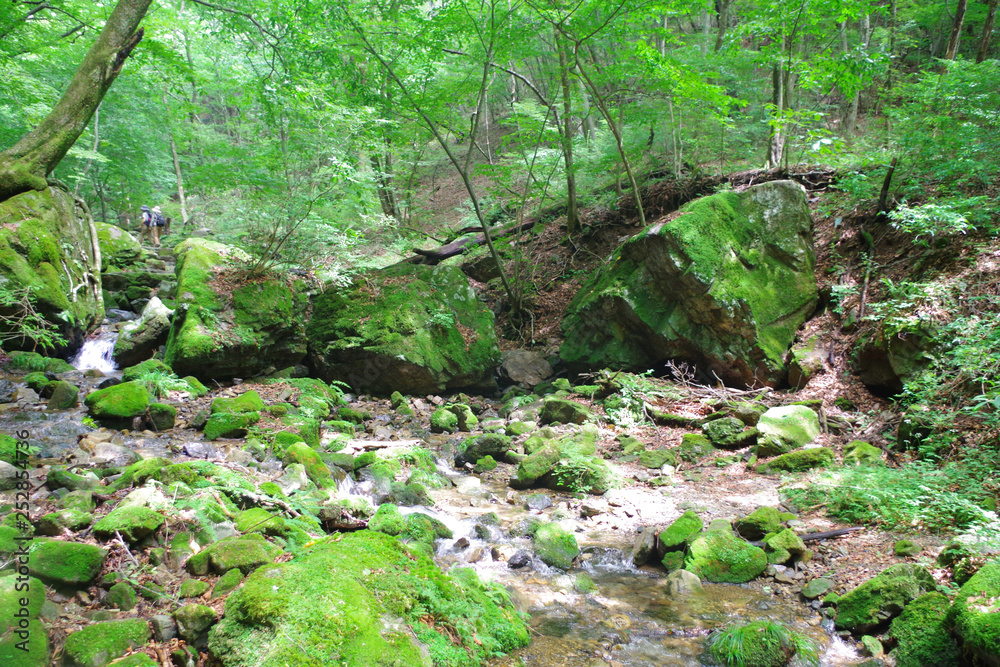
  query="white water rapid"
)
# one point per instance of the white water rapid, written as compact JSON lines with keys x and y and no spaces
{"x":96,"y":353}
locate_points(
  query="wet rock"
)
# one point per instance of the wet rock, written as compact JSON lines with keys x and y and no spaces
{"x":555,"y":546}
{"x":721,"y":557}
{"x":519,"y":560}
{"x":201,"y":450}
{"x":682,"y":582}
{"x":524,"y":367}
{"x":817,"y":588}
{"x":139,"y":339}
{"x":644,"y":549}
{"x":882,"y":597}
{"x":8,"y":391}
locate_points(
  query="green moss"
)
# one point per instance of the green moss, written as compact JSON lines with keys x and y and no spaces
{"x":35,"y":362}
{"x":229,"y":425}
{"x":133,"y":373}
{"x":245,"y":553}
{"x":132,"y":522}
{"x":193,"y":588}
{"x":120,"y":401}
{"x":858,"y":452}
{"x":786,"y":546}
{"x":721,"y":557}
{"x":248,"y":401}
{"x":476,"y":447}
{"x":761,"y":644}
{"x":122,"y":596}
{"x":537,"y":465}
{"x":69,"y":563}
{"x":407,"y":328}
{"x":976,"y":612}
{"x":227,"y":583}
{"x":330,"y":607}
{"x":681,"y":532}
{"x":98,"y":644}
{"x":387,"y":519}
{"x":300,"y":452}
{"x":259,"y":520}
{"x":759,"y":523}
{"x":798,"y":461}
{"x":921,"y":633}
{"x":869,"y":605}
{"x":162,"y":415}
{"x":555,"y":546}
{"x":54,"y":523}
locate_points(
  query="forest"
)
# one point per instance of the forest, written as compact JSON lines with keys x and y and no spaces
{"x":748,"y":249}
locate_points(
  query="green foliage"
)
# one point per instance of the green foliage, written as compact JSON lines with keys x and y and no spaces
{"x":20,"y":321}
{"x":159,"y":383}
{"x":941,"y":217}
{"x":761,"y":644}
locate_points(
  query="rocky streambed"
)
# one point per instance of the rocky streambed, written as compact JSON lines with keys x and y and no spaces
{"x":284,"y":522}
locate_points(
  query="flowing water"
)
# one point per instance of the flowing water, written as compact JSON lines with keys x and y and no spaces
{"x":602,"y":613}
{"x":96,"y":354}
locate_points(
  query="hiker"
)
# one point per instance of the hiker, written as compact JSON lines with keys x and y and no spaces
{"x":146,"y":228}
{"x":158,"y":223}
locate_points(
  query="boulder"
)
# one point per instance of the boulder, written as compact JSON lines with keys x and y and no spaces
{"x":48,"y":244}
{"x":139,"y":339}
{"x":555,"y":546}
{"x":563,"y":411}
{"x":524,"y":367}
{"x":859,"y":452}
{"x":193,"y":622}
{"x":682,"y":582}
{"x":785,"y":428}
{"x":680,"y":533}
{"x":133,"y":523}
{"x":27,"y":594}
{"x":213,"y":335}
{"x":63,"y":395}
{"x":721,"y":557}
{"x":65,"y":563}
{"x":975,"y":615}
{"x":724,"y":285}
{"x":118,"y":402}
{"x":246,"y":553}
{"x":98,"y":644}
{"x":119,"y":249}
{"x":798,"y":461}
{"x":885,"y":363}
{"x":476,"y":447}
{"x":785,"y":547}
{"x":921,"y":633}
{"x":409,"y":328}
{"x":882,"y":597}
{"x":366,"y":596}
{"x":759,"y":523}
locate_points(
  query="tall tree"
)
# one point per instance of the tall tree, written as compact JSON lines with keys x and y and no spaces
{"x":25,"y":165}
{"x":956,"y":30}
{"x":984,"y":40}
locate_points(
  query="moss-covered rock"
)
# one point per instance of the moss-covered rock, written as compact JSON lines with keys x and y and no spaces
{"x":798,"y":461}
{"x":695,"y":447}
{"x":117,"y":402}
{"x":859,"y":452}
{"x":785,"y":428}
{"x":760,"y":643}
{"x":133,"y":523}
{"x":563,"y":411}
{"x":55,"y":523}
{"x":227,"y":583}
{"x":65,"y":563}
{"x":721,"y":557}
{"x":139,"y":339}
{"x":193,"y":588}
{"x":62,"y":395}
{"x":347,"y":587}
{"x":98,"y":644}
{"x":582,"y":474}
{"x":556,"y":546}
{"x":759,"y":523}
{"x":48,"y":244}
{"x":476,"y":447}
{"x":121,"y":596}
{"x":23,"y":639}
{"x":882,"y":597}
{"x":229,"y":425}
{"x":786,"y":546}
{"x":680,"y":533}
{"x":302,"y":453}
{"x":119,"y":249}
{"x":193,"y":622}
{"x":536,"y":466}
{"x":409,"y":328}
{"x":259,"y":520}
{"x":921,"y":634}
{"x":976,"y":613}
{"x":725,"y":285}
{"x":162,"y":415}
{"x":259,"y":325}
{"x":246,"y":553}
{"x":248,"y":401}
{"x":388,"y":520}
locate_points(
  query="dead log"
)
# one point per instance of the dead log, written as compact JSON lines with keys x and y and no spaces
{"x":812,"y":537}
{"x":458,"y":247}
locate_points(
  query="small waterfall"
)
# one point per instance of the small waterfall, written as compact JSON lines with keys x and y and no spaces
{"x":96,"y":353}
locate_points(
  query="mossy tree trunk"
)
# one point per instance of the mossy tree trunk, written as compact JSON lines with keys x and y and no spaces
{"x":25,"y":166}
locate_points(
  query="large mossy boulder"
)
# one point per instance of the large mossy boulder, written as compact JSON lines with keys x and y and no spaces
{"x":98,"y":644}
{"x":556,"y":546}
{"x":976,"y":614}
{"x":882,"y":597}
{"x":139,"y":339}
{"x":61,"y":563}
{"x":246,"y":553}
{"x":363,"y":599}
{"x":724,"y":285}
{"x":922,"y":636}
{"x":119,"y":249}
{"x":409,"y":328}
{"x":721,"y":557}
{"x":118,"y":402}
{"x":48,"y":244}
{"x":24,"y":640}
{"x":259,"y":325}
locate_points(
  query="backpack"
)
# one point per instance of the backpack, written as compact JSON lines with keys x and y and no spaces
{"x":158,"y":219}
{"x":147,"y":218}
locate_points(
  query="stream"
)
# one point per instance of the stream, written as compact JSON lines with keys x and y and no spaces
{"x":604,"y":612}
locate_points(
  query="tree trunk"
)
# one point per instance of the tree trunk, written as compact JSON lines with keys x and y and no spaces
{"x":572,"y":215}
{"x":776,"y":140}
{"x":956,"y":30}
{"x":25,"y":166}
{"x":722,"y":7}
{"x":984,"y":41}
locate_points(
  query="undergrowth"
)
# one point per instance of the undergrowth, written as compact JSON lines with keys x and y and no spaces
{"x":761,"y":644}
